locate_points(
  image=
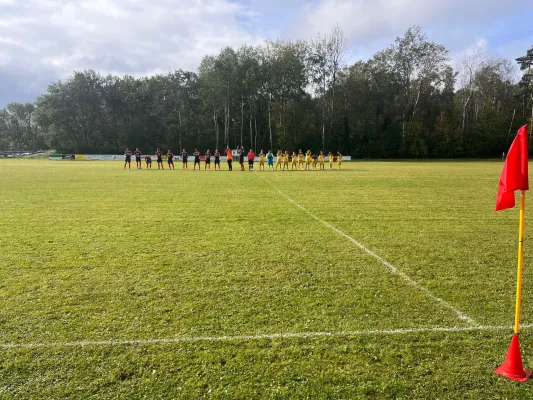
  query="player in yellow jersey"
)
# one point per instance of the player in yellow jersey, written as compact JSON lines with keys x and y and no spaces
{"x":321,"y":160}
{"x":330,"y":158}
{"x":286,"y":160}
{"x":308,"y":160}
{"x":339,"y":159}
{"x":279,"y":159}
{"x":293,"y":159}
{"x":300,"y":159}
{"x":261,"y":161}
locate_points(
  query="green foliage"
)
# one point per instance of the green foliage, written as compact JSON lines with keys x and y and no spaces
{"x":19,"y":128}
{"x":526,"y":84}
{"x":403,"y":102}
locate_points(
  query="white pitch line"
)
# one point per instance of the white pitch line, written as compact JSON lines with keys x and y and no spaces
{"x":274,"y":336}
{"x":391,"y":267}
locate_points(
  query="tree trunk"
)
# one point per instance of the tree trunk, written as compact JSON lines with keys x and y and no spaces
{"x":403,"y":122}
{"x":531,"y":128}
{"x":416,"y":101}
{"x":227,"y":106}
{"x":256,"y":133}
{"x":116,"y":130}
{"x":216,"y":126}
{"x":179,"y":118}
{"x":511,"y":126}
{"x":465,"y":105}
{"x":323,"y":132}
{"x":332,"y":111}
{"x":284,"y":108}
{"x":226,"y":141}
{"x":405,"y":105}
{"x":270,"y":120}
{"x":242,"y":116}
{"x":324,"y":116}
{"x":251,"y":130}
{"x":281,"y":126}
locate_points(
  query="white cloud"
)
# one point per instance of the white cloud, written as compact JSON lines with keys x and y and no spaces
{"x":479,"y":48}
{"x":371,"y":25}
{"x":364,"y":20}
{"x":114,"y":36}
{"x":44,"y":40}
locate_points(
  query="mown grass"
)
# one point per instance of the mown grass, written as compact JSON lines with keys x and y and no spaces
{"x":90,"y":252}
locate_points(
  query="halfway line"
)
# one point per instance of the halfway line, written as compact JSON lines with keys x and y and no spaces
{"x":301,"y":335}
{"x":391,"y":267}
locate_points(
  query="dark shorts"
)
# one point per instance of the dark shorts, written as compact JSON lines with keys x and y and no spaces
{"x":197,"y":161}
{"x":185,"y":160}
{"x":159,"y":160}
{"x":128,"y":159}
{"x":208,"y":161}
{"x":170,"y":161}
{"x":148,"y":161}
{"x":137,"y":159}
{"x":217,"y":160}
{"x":270,"y":162}
{"x":250,"y":162}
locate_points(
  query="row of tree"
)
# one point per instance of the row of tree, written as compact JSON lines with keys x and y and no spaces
{"x":406,"y":101}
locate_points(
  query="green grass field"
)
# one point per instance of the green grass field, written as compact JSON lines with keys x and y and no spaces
{"x":172,"y":284}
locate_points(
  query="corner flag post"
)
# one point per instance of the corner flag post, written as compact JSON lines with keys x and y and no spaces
{"x":520,"y":261}
{"x":515,"y":177}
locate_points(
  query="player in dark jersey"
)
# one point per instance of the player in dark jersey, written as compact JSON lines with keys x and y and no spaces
{"x":159,"y":157}
{"x":184,"y":158}
{"x":207,"y":160}
{"x":170,"y":159}
{"x":196,"y":159}
{"x":240,"y":152}
{"x":127,"y":158}
{"x":217,"y":159}
{"x":148,"y":160}
{"x":314,"y":159}
{"x":138,"y":161}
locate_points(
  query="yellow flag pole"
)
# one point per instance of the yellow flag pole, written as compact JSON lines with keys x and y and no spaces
{"x":520,"y":262}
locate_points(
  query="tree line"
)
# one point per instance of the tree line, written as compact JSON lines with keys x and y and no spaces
{"x":405,"y":101}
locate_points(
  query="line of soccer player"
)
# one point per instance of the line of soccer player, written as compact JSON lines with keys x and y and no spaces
{"x":299,"y":161}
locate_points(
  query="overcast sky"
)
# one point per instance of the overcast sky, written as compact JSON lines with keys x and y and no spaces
{"x":44,"y":40}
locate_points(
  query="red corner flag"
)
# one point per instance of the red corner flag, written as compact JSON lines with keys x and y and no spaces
{"x":514,"y":174}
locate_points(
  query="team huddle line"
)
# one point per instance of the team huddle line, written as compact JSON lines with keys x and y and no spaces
{"x":299,"y":161}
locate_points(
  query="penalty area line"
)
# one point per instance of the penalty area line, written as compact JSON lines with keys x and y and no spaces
{"x":462,"y":316}
{"x":274,"y":336}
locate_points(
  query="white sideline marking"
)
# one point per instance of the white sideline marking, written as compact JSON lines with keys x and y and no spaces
{"x":302,"y":335}
{"x":391,"y":267}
